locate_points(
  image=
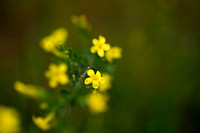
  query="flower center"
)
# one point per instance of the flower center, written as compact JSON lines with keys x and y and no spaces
{"x":57,"y":73}
{"x":95,"y":77}
{"x":100,"y":46}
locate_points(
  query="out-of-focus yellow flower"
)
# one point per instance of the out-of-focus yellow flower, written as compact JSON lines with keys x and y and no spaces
{"x":97,"y":103}
{"x":113,"y":53}
{"x":99,"y":46}
{"x":9,"y":120}
{"x":95,"y":79}
{"x":107,"y":82}
{"x":57,"y":74}
{"x":43,"y":123}
{"x":51,"y":42}
{"x":81,"y":21}
{"x":28,"y":90}
{"x":59,"y":36}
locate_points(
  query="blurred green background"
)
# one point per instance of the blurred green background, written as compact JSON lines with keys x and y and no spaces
{"x":156,"y":87}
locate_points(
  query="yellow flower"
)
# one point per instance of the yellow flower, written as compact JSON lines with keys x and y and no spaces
{"x":107,"y":82}
{"x":57,"y":74}
{"x":97,"y":103}
{"x":99,"y":46}
{"x":113,"y":53}
{"x":9,"y":120}
{"x":51,"y":42}
{"x":95,"y":79}
{"x":43,"y":123}
{"x":59,"y":36}
{"x":81,"y":21}
{"x":28,"y":90}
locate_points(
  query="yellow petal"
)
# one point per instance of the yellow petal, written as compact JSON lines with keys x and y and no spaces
{"x":95,"y":84}
{"x":59,"y":36}
{"x":39,"y":122}
{"x":93,"y":49}
{"x":98,"y":74}
{"x":100,"y":53}
{"x":106,"y":47}
{"x":52,"y":66}
{"x":95,"y":41}
{"x":43,"y":123}
{"x":53,"y":84}
{"x":28,"y":90}
{"x":117,"y":52}
{"x":102,"y":39}
{"x":49,"y":117}
{"x":101,"y":80}
{"x":63,"y":79}
{"x":63,"y":67}
{"x":90,"y":72}
{"x":88,"y":81}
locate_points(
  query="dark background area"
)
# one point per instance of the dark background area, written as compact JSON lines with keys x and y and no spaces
{"x":156,"y":87}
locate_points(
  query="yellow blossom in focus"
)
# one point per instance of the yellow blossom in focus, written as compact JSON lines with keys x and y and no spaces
{"x":95,"y":79}
{"x":97,"y":103}
{"x":81,"y":21}
{"x":107,"y":82}
{"x":43,"y":123}
{"x":51,"y":42}
{"x":57,"y":74}
{"x":28,"y":90}
{"x":113,"y":53}
{"x":9,"y":120}
{"x":99,"y":46}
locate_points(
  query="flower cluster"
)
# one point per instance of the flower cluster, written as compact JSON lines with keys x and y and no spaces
{"x":71,"y":78}
{"x":57,"y":74}
{"x":50,"y":43}
{"x":102,"y":48}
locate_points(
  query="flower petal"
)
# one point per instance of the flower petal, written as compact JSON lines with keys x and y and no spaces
{"x":53,"y":83}
{"x":106,"y":47}
{"x":63,"y":79}
{"x":63,"y":67}
{"x":98,"y":74}
{"x":100,"y":53}
{"x":93,"y":49}
{"x":101,"y":80}
{"x":95,"y":84}
{"x":90,"y":72}
{"x":95,"y":41}
{"x":102,"y":39}
{"x":52,"y":67}
{"x":88,"y":81}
